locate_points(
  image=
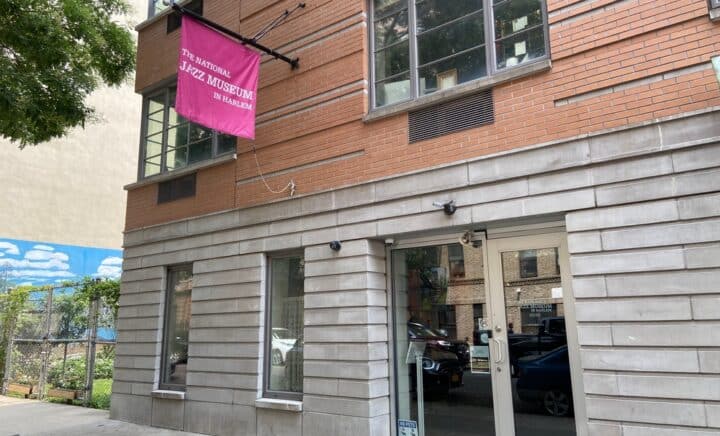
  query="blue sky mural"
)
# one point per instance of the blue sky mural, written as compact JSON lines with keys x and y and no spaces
{"x":41,"y":263}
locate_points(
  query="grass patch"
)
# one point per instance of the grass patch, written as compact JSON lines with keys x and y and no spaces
{"x":102,"y":388}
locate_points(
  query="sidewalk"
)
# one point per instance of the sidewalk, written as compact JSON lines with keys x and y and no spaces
{"x":29,"y":417}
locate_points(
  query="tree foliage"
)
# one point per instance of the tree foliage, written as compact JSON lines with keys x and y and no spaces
{"x":12,"y":303}
{"x":53,"y":53}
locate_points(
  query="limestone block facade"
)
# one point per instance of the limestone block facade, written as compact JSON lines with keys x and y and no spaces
{"x":587,"y":223}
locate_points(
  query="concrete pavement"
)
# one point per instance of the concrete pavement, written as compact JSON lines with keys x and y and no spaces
{"x":20,"y":417}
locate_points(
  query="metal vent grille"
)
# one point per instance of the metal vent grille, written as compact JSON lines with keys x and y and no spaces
{"x":175,"y":189}
{"x":453,"y":116}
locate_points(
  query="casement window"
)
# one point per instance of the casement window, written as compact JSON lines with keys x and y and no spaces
{"x":176,"y":328}
{"x":284,"y":334}
{"x":170,"y":142}
{"x":423,"y":46}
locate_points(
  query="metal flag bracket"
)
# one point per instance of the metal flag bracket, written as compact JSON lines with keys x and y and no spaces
{"x":294,"y":63}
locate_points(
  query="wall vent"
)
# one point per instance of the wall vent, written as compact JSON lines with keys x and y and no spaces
{"x":175,"y":189}
{"x":452,"y":116}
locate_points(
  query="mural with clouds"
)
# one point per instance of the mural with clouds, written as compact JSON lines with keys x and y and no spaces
{"x":40,"y":263}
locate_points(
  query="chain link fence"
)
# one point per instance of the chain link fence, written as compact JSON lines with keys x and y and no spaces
{"x":61,"y":349}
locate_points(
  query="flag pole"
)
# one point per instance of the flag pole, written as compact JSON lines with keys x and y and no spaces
{"x":294,"y":63}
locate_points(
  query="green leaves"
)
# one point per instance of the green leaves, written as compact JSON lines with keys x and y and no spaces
{"x":53,"y":53}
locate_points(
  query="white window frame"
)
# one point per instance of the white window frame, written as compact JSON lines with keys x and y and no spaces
{"x":490,"y":55}
{"x":165,"y":91}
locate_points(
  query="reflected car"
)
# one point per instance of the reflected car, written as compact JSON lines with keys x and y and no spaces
{"x":442,"y":371}
{"x":282,"y":342}
{"x":550,"y":336}
{"x":545,"y":381}
{"x":436,"y":340}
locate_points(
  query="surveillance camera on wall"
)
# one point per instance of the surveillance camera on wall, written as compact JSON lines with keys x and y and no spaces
{"x":448,"y":206}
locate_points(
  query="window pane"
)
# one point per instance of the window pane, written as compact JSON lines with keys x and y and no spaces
{"x":520,"y":48}
{"x":432,"y":13}
{"x":451,"y":39}
{"x":198,"y":132}
{"x":450,"y":72}
{"x":385,"y":7}
{"x":178,"y":136}
{"x":152,"y":166}
{"x":177,"y":325}
{"x":391,"y":29}
{"x":226,"y":144}
{"x":286,"y":321}
{"x":153,"y":145}
{"x":392,"y":60}
{"x":201,"y":150}
{"x":528,"y":263}
{"x":514,"y":16}
{"x":177,"y":158}
{"x":392,"y":90}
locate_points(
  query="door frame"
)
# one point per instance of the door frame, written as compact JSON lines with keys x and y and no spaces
{"x":504,"y":413}
{"x":541,"y":235}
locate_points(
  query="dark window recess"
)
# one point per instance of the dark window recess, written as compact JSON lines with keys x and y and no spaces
{"x":461,"y":114}
{"x":173,"y":20}
{"x":528,"y":264}
{"x":176,"y":189}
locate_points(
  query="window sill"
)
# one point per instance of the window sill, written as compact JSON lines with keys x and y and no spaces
{"x":278,"y":404}
{"x":187,"y":170}
{"x":715,"y":14}
{"x":168,"y":395}
{"x":460,"y":90}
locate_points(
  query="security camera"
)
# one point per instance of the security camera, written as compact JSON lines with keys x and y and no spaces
{"x":389,"y":241}
{"x":335,"y":245}
{"x":448,"y":206}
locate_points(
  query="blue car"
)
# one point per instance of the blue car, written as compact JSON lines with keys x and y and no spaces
{"x":545,"y":380}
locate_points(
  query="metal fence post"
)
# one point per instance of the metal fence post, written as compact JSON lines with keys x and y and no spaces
{"x":8,"y":363}
{"x":45,"y":347}
{"x":90,"y":353}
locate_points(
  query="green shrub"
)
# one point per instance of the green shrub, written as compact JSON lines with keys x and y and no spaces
{"x":73,"y":375}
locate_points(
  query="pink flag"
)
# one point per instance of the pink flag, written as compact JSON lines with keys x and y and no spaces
{"x":217,"y":80}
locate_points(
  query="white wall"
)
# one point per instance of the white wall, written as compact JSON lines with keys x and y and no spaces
{"x":70,"y":190}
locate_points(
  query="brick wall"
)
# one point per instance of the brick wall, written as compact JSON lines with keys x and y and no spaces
{"x":613,"y":64}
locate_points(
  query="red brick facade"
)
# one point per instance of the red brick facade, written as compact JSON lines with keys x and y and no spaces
{"x":613,"y":64}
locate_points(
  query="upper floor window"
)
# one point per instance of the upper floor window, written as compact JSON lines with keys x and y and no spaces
{"x":422,"y":46}
{"x":156,"y":6}
{"x":170,"y":142}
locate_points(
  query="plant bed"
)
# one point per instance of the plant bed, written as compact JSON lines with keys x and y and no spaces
{"x":67,"y":394}
{"x":17,"y":388}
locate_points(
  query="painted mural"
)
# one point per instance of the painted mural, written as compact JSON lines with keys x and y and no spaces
{"x":41,"y":263}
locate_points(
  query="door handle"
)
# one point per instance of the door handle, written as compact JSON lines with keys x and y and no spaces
{"x":499,"y":358}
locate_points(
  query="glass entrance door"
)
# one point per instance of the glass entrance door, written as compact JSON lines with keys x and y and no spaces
{"x":531,"y":309}
{"x":442,"y":341}
{"x":480,"y":338}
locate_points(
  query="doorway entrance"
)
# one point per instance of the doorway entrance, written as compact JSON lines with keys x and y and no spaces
{"x":481,"y":344}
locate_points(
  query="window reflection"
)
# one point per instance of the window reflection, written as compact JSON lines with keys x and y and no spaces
{"x":537,"y":342}
{"x":177,"y":326}
{"x":285,"y":362}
